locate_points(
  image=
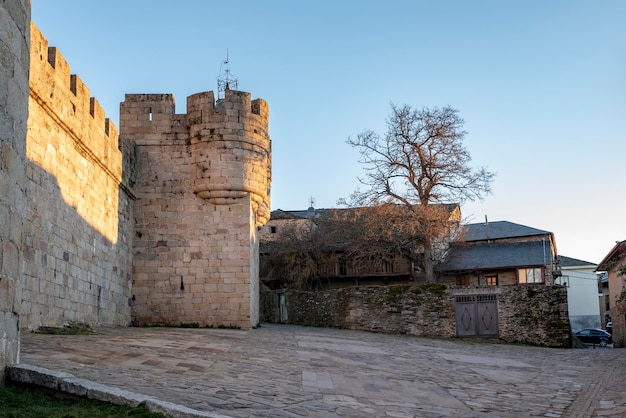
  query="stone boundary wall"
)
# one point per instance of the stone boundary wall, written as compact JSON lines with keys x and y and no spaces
{"x":77,"y":239}
{"x":14,"y":68}
{"x":527,"y":314}
{"x":535,"y":315}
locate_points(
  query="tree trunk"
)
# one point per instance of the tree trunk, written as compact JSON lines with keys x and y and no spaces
{"x":428,"y":261}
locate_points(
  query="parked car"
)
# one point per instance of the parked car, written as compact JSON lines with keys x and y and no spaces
{"x":594,"y":336}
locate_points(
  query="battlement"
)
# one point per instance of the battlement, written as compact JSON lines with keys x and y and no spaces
{"x":67,"y":99}
{"x":228,"y":140}
{"x":140,"y":110}
{"x":148,"y":106}
{"x":231,"y":148}
{"x":235,"y":106}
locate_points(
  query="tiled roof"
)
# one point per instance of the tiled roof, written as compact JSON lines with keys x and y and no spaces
{"x":284,"y":214}
{"x":497,"y":255}
{"x":317,"y":213}
{"x":293,"y":214}
{"x":499,"y":230}
{"x":572,"y":262}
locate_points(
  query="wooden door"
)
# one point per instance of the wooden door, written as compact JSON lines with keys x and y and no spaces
{"x":476,"y":316}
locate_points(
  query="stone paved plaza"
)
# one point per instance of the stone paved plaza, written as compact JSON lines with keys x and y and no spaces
{"x":292,"y":371}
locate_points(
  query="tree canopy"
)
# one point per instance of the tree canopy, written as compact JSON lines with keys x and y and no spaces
{"x":420,"y":161}
{"x":375,"y":242}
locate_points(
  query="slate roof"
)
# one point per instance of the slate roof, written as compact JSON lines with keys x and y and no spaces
{"x":283,"y":214}
{"x":482,"y":250}
{"x":497,"y":256}
{"x":314,"y":213}
{"x":573,"y":262}
{"x":295,"y":214}
{"x":498,"y":230}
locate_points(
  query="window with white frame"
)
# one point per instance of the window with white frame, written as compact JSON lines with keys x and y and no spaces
{"x":532,"y":275}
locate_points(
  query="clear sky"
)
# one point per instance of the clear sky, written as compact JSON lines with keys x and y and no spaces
{"x":541,"y":86}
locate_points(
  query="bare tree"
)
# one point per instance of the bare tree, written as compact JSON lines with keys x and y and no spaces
{"x":296,"y":259}
{"x":419,"y":162}
{"x":383,"y":238}
{"x":382,"y":241}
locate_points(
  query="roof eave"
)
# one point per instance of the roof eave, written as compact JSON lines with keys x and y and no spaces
{"x":611,"y":255}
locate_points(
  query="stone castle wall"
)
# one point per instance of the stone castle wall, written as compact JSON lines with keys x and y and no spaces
{"x":14,"y":68}
{"x":77,"y":239}
{"x":70,"y":228}
{"x":202,"y":186}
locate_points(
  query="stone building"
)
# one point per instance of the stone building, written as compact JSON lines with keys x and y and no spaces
{"x":581,"y":280}
{"x":202,"y":190}
{"x":501,"y":254}
{"x":614,"y":264}
{"x":157,"y":225}
{"x":358,"y":246}
{"x":14,"y":69}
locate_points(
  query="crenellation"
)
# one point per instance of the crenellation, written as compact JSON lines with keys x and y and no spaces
{"x":155,"y":223}
{"x":63,"y":94}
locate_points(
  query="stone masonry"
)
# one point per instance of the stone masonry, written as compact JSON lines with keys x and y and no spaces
{"x":155,"y":226}
{"x":77,"y":238}
{"x":14,"y":68}
{"x":202,"y":187}
{"x":525,"y":314}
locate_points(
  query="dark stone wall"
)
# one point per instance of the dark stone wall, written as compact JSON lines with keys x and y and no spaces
{"x":534,"y":314}
{"x":526,"y":314}
{"x":425,"y":310}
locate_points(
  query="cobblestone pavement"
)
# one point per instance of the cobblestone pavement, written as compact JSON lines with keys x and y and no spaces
{"x":292,"y":371}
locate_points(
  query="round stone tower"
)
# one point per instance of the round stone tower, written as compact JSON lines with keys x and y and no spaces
{"x":202,"y":188}
{"x":231,"y":149}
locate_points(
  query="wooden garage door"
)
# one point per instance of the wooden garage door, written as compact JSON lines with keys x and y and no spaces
{"x":476,"y":316}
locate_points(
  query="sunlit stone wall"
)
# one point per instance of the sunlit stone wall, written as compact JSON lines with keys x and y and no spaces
{"x":202,"y":191}
{"x":14,"y":66}
{"x":77,"y":239}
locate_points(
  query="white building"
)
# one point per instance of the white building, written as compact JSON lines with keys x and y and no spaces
{"x":582,"y":292}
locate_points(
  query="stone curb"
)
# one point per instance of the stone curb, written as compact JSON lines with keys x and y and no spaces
{"x":68,"y":383}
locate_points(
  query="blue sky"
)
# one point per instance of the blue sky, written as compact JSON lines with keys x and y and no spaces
{"x":541,"y":86}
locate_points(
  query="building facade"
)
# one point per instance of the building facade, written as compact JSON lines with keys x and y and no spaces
{"x":581,"y":281}
{"x":501,"y":253}
{"x":614,"y":264}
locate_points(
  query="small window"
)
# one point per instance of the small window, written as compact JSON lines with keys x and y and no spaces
{"x":532,"y":275}
{"x":272,"y":229}
{"x":462,"y":281}
{"x":492,"y":280}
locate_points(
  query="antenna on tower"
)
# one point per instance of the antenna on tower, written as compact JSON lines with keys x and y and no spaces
{"x":225,"y":80}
